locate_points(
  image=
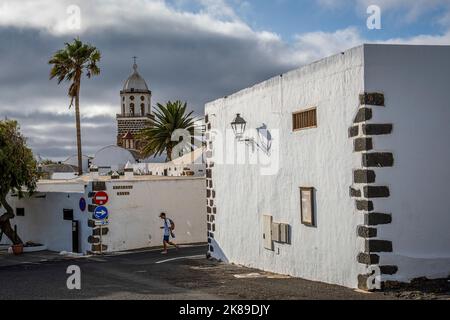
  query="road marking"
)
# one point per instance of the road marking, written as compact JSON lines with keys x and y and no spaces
{"x":181,"y":246}
{"x":180,"y":258}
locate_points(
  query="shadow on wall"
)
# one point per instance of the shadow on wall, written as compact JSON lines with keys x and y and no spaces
{"x":218,"y":253}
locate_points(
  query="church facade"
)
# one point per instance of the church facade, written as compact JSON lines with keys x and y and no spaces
{"x":135,"y":115}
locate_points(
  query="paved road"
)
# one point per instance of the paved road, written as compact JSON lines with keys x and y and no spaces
{"x":128,"y":276}
{"x":183,"y":274}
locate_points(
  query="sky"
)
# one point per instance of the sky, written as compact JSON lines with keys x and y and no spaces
{"x":192,"y":50}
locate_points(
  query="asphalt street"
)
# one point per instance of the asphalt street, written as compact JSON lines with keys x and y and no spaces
{"x":183,"y":274}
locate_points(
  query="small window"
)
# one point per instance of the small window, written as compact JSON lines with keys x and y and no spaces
{"x":20,"y":212}
{"x":132,"y":98}
{"x":67,"y":214}
{"x":142,"y":98}
{"x":305,"y":119}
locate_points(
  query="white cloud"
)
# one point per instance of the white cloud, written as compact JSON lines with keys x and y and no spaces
{"x":314,"y":45}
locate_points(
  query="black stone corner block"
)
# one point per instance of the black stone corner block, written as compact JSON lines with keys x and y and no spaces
{"x":377,"y":129}
{"x":91,"y":223}
{"x":390,"y":270}
{"x":362,"y":144}
{"x":368,"y":258}
{"x":378,"y":246}
{"x":211,"y":249}
{"x":375,"y":218}
{"x":364,"y":176}
{"x":372,"y":98}
{"x":355,"y":193}
{"x":93,"y":240}
{"x":362,"y":281}
{"x":376,"y":192}
{"x":366,"y":232}
{"x":378,"y":159}
{"x":364,"y":114}
{"x":96,"y":247}
{"x":96,"y":232}
{"x":353,"y":131}
{"x":91,"y":194}
{"x":206,"y":119}
{"x":364,"y":205}
{"x":91,"y":207}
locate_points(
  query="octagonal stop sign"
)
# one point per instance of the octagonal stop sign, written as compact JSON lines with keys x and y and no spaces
{"x":101,"y":198}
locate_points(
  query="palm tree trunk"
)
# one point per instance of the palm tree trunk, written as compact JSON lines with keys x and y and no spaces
{"x":5,"y":224}
{"x":169,"y":153}
{"x":78,"y":125}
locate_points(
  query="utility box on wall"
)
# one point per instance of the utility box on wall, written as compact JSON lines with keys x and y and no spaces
{"x":275,"y":232}
{"x":267,"y":232}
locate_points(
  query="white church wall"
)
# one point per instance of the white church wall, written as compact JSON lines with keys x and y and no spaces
{"x":320,"y":157}
{"x":415,"y":81}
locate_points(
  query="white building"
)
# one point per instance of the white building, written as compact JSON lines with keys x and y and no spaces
{"x":353,"y":169}
{"x":54,"y":215}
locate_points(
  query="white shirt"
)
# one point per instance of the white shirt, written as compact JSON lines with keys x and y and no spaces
{"x":167,"y":227}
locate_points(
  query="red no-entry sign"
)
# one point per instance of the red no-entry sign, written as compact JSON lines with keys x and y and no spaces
{"x":101,"y":198}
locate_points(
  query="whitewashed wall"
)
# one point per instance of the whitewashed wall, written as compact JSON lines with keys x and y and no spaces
{"x":416,"y":82}
{"x":134,"y":221}
{"x":321,"y":158}
{"x":43,"y":221}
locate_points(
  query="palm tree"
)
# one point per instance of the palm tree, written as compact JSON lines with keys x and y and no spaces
{"x":69,"y":64}
{"x":157,"y":138}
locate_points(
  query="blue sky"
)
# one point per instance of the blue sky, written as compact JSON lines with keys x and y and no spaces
{"x":400,"y":19}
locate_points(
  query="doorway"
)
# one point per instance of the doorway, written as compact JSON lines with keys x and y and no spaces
{"x":75,"y":237}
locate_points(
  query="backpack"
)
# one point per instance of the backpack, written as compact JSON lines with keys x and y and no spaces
{"x":172,"y":225}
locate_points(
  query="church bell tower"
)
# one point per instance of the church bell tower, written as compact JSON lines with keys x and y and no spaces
{"x":135,"y":115}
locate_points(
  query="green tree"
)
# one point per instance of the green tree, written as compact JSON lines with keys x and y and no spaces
{"x":17,"y":172}
{"x":157,"y":138}
{"x":69,"y":64}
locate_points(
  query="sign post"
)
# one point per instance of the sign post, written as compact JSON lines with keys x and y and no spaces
{"x":101,"y":216}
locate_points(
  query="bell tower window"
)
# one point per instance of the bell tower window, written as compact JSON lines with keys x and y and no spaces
{"x":132,"y":108}
{"x":142,"y":109}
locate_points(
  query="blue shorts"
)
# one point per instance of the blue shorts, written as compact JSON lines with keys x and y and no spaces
{"x":166,"y":238}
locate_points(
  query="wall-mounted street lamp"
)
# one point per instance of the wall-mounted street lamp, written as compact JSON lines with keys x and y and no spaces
{"x":238,"y":126}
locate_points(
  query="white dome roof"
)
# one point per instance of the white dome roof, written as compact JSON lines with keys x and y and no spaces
{"x":135,"y":82}
{"x":113,"y":156}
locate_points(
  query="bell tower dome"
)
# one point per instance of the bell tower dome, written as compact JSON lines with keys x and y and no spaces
{"x":135,"y":115}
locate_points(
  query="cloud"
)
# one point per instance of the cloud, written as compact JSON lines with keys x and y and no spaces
{"x":314,"y":45}
{"x":191,"y":55}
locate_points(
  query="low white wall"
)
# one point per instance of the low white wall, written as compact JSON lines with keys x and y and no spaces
{"x":416,"y":82}
{"x":320,"y":158}
{"x":133,"y":218}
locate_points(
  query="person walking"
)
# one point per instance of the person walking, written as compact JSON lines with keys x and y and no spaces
{"x":168,"y":227}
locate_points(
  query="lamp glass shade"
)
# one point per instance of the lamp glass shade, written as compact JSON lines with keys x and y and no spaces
{"x":238,"y":126}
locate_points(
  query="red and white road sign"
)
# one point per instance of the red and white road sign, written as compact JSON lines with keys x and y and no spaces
{"x":101,"y":198}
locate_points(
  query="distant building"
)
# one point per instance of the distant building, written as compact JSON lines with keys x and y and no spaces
{"x":135,"y":112}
